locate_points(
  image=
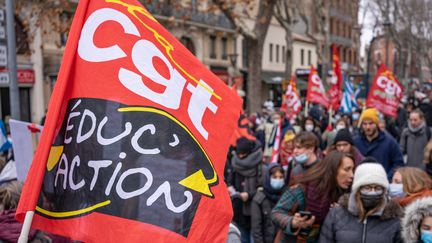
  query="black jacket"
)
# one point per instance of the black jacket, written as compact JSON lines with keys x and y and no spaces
{"x":263,"y":229}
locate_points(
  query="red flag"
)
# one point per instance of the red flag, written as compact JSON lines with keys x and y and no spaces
{"x":315,"y":91}
{"x":386,"y":92}
{"x":136,"y":136}
{"x":276,"y":145}
{"x":335,"y":92}
{"x":291,"y":103}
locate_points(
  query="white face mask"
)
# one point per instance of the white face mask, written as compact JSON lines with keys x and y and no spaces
{"x":309,"y":127}
{"x":340,"y":127}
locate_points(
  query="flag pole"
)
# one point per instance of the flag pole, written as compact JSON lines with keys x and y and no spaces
{"x":23,"y":238}
{"x":330,"y":115}
{"x":306,"y":108}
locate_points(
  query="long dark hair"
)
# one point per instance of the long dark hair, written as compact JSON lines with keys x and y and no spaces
{"x":323,"y":175}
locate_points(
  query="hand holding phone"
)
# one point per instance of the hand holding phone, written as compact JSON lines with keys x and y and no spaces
{"x":306,"y":213}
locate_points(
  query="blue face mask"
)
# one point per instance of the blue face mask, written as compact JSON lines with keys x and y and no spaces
{"x":301,"y":158}
{"x":355,"y":116}
{"x":396,"y":190}
{"x":426,"y":236}
{"x":276,"y":183}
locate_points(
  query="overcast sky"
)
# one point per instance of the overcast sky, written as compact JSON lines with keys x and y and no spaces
{"x":366,"y":19}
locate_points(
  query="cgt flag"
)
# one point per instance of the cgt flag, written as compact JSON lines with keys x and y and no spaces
{"x":315,"y":91}
{"x":335,"y":92}
{"x":136,"y":136}
{"x":386,"y":92}
{"x":291,"y":103}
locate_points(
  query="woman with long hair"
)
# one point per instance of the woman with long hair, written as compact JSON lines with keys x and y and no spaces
{"x":366,"y":214}
{"x":303,"y":207}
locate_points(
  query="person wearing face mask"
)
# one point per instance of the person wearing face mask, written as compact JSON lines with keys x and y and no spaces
{"x":302,"y":209}
{"x":263,"y":230}
{"x":329,"y":135}
{"x":410,"y":184}
{"x":366,"y":214}
{"x":305,"y":155}
{"x":417,"y":222}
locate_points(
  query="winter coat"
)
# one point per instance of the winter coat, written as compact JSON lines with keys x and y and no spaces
{"x":412,"y":143}
{"x":384,"y":149}
{"x":414,"y":214}
{"x":342,"y":225}
{"x":298,"y":171}
{"x":263,"y":229}
{"x":358,"y":157}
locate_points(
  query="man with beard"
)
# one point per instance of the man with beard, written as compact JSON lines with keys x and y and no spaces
{"x":414,"y":139}
{"x":375,"y":143}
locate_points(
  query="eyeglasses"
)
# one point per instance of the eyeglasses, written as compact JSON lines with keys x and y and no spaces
{"x":369,"y":188}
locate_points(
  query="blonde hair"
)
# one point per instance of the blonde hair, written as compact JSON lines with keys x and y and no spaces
{"x":10,"y":195}
{"x":414,"y":179}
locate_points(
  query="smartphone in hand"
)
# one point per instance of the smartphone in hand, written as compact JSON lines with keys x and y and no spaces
{"x":305,"y":213}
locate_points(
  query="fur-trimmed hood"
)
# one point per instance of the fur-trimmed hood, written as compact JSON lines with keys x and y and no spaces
{"x":414,"y":213}
{"x":391,"y":210}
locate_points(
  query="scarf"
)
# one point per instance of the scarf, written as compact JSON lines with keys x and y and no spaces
{"x":271,"y":193}
{"x":417,"y":129}
{"x":10,"y":228}
{"x":247,"y":166}
{"x":412,"y":197}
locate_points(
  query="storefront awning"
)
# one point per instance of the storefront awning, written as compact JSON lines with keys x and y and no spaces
{"x":272,"y":77}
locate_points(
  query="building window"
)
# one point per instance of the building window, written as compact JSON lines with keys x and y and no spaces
{"x":224,"y":48}
{"x":271,"y":53}
{"x":188,"y":43}
{"x":302,"y":57}
{"x":283,"y":54}
{"x":309,"y":57}
{"x":212,"y":46}
{"x":277,"y":53}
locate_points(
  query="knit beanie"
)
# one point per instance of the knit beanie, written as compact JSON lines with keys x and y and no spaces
{"x":370,"y":114}
{"x":369,"y":173}
{"x":343,"y":135}
{"x":244,"y":146}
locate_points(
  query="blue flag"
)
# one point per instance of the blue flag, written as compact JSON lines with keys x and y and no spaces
{"x":349,"y":97}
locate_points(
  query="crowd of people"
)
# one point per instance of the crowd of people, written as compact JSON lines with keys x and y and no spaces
{"x":358,"y":177}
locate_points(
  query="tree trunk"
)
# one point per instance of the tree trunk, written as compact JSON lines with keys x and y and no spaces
{"x":288,"y":53}
{"x":254,"y":85}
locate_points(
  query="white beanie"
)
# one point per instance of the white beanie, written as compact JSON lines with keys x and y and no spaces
{"x":369,"y":173}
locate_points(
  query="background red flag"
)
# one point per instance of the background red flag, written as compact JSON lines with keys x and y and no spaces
{"x":136,"y":136}
{"x":335,"y":92}
{"x":315,"y":91}
{"x":291,"y":103}
{"x":385,"y":93}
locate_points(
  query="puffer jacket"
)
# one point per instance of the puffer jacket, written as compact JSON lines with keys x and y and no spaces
{"x":341,"y":225}
{"x":263,"y":229}
{"x":414,"y":214}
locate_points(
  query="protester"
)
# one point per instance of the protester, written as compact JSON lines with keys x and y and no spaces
{"x":329,"y":135}
{"x":343,"y":142}
{"x":316,"y":192}
{"x":414,"y":139}
{"x":373,"y":142}
{"x":417,"y":222}
{"x":305,"y":155}
{"x":415,"y":184}
{"x":287,"y":151}
{"x":311,"y":125}
{"x":365,"y":215}
{"x":263,"y":229}
{"x":246,"y":177}
{"x":267,"y":132}
{"x":10,"y":228}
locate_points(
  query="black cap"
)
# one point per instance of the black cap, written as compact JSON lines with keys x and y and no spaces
{"x":343,"y":135}
{"x":244,"y":146}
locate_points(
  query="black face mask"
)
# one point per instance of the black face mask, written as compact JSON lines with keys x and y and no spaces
{"x":371,"y":199}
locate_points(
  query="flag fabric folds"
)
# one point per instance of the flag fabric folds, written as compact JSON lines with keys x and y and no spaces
{"x":385,"y":93}
{"x":136,"y":136}
{"x":349,"y":97}
{"x":291,"y":103}
{"x":335,"y":92}
{"x":315,"y":91}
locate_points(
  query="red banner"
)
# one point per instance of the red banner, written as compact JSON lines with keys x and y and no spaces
{"x":136,"y":136}
{"x":386,"y":92}
{"x":316,"y":91}
{"x":291,"y":101}
{"x":335,"y":92}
